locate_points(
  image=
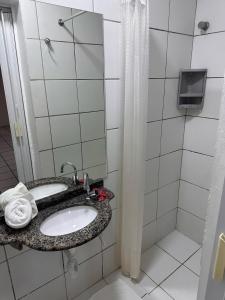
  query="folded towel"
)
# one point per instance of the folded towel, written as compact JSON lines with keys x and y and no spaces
{"x":18,"y":192}
{"x":18,"y":213}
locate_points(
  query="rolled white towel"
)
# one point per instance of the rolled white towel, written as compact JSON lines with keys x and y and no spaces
{"x":18,"y":213}
{"x":18,"y":192}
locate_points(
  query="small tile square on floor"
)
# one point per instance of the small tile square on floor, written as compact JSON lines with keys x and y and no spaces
{"x":178,"y":245}
{"x":157,"y":264}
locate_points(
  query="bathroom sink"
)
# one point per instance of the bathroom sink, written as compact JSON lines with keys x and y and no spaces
{"x":47,"y":190}
{"x":68,"y":220}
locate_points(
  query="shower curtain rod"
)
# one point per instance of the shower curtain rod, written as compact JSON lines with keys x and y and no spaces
{"x":62,"y":21}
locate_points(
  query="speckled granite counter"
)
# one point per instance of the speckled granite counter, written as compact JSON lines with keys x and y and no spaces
{"x":32,"y":237}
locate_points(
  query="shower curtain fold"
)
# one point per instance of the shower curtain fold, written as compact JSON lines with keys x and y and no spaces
{"x":135,"y":95}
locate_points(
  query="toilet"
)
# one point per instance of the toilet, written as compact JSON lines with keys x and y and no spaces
{"x":117,"y":290}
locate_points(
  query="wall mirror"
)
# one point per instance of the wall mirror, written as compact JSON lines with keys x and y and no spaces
{"x":65,"y":55}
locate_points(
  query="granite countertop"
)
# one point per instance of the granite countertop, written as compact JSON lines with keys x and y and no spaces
{"x":32,"y":237}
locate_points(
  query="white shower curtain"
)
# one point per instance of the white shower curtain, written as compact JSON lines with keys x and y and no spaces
{"x":135,"y":94}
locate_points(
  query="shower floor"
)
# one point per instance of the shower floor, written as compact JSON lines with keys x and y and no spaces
{"x":170,"y":270}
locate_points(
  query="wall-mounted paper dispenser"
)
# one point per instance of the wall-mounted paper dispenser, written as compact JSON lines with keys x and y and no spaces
{"x":191,"y":89}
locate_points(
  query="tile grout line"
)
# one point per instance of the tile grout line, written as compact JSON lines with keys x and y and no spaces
{"x":161,"y":133}
{"x":10,"y":275}
{"x":189,"y":212}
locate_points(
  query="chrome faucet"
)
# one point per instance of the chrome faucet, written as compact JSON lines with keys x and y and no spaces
{"x":86,"y":184}
{"x":75,"y":177}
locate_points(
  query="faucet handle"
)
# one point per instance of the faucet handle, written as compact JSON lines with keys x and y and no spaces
{"x":86,"y":184}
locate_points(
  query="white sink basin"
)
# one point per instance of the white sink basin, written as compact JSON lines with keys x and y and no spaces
{"x":68,"y":220}
{"x":47,"y":190}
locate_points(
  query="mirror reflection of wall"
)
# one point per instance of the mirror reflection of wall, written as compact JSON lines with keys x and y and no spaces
{"x":66,"y":70}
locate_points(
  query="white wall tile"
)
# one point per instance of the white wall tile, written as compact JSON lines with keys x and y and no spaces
{"x":29,"y":19}
{"x":114,"y":149}
{"x":169,"y":170}
{"x":34,"y":59}
{"x":79,"y":4}
{"x":89,"y":273}
{"x":190,"y":225}
{"x":212,"y":99}
{"x":92,"y":125}
{"x":153,"y":139}
{"x":193,"y":199}
{"x":11,"y":252}
{"x":110,"y":234}
{"x":159,"y":14}
{"x":113,"y":103}
{"x":172,"y":134}
{"x":89,"y":61}
{"x":182,"y":16}
{"x":48,"y":16}
{"x":97,"y":172}
{"x":39,"y":98}
{"x":111,"y":259}
{"x":203,"y":48}
{"x":47,"y":164}
{"x":112,"y":49}
{"x":68,"y":153}
{"x":52,"y":290}
{"x":5,"y":283}
{"x":28,"y":273}
{"x":91,"y":95}
{"x":196,"y":168}
{"x":196,"y":138}
{"x":148,"y":236}
{"x":2,"y":254}
{"x":94,"y":153}
{"x":113,"y":183}
{"x":178,"y":54}
{"x":213,"y":12}
{"x":61,"y":96}
{"x":157,"y":51}
{"x":85,"y":251}
{"x":167,"y":198}
{"x":88,"y":28}
{"x":155,"y":101}
{"x":110,"y":10}
{"x":65,"y":130}
{"x":43,"y":134}
{"x":58,"y":60}
{"x":170,"y":109}
{"x":151,"y":174}
{"x":150,"y":207}
{"x":166,"y":224}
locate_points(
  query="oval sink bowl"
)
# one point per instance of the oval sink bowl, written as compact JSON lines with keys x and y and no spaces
{"x":68,"y":220}
{"x":47,"y":190}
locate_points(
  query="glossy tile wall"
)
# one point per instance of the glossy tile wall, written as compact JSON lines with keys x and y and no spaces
{"x":171,"y":37}
{"x":201,"y":127}
{"x":33,"y":275}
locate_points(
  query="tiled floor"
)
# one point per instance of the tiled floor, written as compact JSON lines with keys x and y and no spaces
{"x":8,"y":172}
{"x":170,"y":270}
